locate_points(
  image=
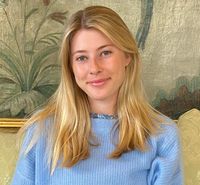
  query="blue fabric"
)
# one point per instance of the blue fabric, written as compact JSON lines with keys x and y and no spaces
{"x":159,"y":165}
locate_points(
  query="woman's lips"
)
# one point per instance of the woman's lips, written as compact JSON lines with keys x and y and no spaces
{"x":98,"y":82}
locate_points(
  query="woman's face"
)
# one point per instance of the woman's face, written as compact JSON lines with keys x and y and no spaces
{"x":98,"y":65}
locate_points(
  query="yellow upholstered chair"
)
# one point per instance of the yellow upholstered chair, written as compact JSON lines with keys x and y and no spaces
{"x":189,"y":125}
{"x":8,"y":155}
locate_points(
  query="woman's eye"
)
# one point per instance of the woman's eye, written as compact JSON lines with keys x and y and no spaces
{"x":105,"y":53}
{"x":81,"y":58}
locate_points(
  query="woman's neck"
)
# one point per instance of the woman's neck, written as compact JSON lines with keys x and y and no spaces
{"x":103,"y":107}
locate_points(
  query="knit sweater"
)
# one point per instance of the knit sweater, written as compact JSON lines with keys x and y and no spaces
{"x":159,"y":165}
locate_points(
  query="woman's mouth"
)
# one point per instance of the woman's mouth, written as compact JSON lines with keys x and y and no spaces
{"x":98,"y":82}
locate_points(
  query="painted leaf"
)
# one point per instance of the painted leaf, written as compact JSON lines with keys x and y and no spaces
{"x":47,"y":90}
{"x":31,"y":12}
{"x":8,"y":89}
{"x":13,"y":63}
{"x":52,"y":70}
{"x":7,"y":73}
{"x":49,"y":39}
{"x":7,"y":47}
{"x":26,"y":101}
{"x":29,"y":48}
{"x":39,"y":60}
{"x":58,"y":16}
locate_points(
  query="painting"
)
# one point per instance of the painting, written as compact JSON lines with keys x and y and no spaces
{"x":172,"y":57}
{"x":166,"y":33}
{"x":28,"y":57}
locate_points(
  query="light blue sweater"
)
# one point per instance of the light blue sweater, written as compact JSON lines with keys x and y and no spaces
{"x":160,"y":165}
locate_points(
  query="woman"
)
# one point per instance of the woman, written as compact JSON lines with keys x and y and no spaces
{"x":98,"y":127}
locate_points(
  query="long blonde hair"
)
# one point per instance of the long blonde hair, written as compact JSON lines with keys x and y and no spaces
{"x":70,"y":136}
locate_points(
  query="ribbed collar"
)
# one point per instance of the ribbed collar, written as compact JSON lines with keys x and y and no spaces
{"x":103,"y":116}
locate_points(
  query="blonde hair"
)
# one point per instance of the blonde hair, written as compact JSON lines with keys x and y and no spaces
{"x":70,"y":136}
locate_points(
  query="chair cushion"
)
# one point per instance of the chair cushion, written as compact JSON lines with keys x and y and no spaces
{"x":8,"y":156}
{"x":189,"y":124}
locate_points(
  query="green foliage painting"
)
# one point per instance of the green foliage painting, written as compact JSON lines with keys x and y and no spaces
{"x":28,"y":62}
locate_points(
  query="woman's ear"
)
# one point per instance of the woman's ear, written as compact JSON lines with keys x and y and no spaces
{"x":128,"y":59}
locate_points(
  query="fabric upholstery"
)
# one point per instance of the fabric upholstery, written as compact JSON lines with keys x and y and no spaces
{"x":189,"y":125}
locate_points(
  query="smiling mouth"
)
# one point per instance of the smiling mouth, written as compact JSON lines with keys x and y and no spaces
{"x":99,"y":82}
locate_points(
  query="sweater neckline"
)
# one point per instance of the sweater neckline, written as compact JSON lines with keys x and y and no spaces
{"x":103,"y":116}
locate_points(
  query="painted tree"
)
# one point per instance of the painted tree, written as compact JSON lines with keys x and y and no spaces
{"x":29,"y":68}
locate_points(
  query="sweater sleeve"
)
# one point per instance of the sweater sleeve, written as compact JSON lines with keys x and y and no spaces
{"x":166,"y":168}
{"x":25,"y":169}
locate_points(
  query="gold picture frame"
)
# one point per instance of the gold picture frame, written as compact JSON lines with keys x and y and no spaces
{"x":11,"y":122}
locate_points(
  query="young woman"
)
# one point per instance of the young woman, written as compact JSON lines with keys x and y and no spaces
{"x":98,"y":127}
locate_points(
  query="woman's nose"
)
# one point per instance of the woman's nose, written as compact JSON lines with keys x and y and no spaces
{"x":94,"y":67}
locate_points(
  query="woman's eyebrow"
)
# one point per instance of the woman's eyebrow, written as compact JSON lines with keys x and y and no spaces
{"x":103,"y":46}
{"x":84,"y":51}
{"x":79,"y":51}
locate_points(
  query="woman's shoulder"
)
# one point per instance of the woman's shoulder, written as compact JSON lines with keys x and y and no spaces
{"x":37,"y":130}
{"x":167,"y":135}
{"x":39,"y":125}
{"x":168,"y":126}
